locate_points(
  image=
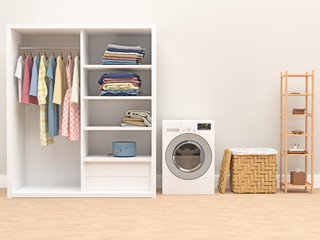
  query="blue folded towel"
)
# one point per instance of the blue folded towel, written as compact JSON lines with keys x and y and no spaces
{"x":125,"y":50}
{"x":119,"y":92}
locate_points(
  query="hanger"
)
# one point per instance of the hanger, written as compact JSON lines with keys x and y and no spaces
{"x":38,"y":54}
{"x":23,"y":54}
{"x":53,"y":55}
{"x":45,"y":54}
{"x":30,"y":55}
{"x":61,"y":55}
{"x":70,"y":54}
{"x":78,"y":54}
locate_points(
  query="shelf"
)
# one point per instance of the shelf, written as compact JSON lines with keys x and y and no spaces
{"x":118,"y":193}
{"x":289,"y":115}
{"x":103,"y":67}
{"x":297,"y":75}
{"x":75,"y":191}
{"x":47,"y":191}
{"x":102,"y":158}
{"x":293,"y":186}
{"x":303,"y":94}
{"x":308,"y":113}
{"x":297,"y":154}
{"x":291,"y":134}
{"x":116,"y":128}
{"x":102,"y":98}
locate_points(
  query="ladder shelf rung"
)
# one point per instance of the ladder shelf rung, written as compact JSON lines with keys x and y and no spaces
{"x":297,"y":75}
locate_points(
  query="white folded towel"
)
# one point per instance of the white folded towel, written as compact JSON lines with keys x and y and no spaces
{"x":143,"y":114}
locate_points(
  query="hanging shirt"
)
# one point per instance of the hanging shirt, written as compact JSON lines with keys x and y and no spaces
{"x":19,"y":75}
{"x":34,"y":78}
{"x":53,"y":109}
{"x":70,"y":119}
{"x":26,"y":80}
{"x":60,"y":82}
{"x":42,"y":99}
{"x":75,"y":93}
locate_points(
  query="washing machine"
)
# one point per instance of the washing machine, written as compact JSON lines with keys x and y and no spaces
{"x":188,"y":157}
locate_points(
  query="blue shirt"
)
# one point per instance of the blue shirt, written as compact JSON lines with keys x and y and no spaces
{"x":53,"y":109}
{"x":34,"y":77}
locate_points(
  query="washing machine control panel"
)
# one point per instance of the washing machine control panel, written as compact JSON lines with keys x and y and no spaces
{"x":204,"y":126}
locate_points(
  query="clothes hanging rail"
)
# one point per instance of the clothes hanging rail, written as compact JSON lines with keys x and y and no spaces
{"x":49,"y":48}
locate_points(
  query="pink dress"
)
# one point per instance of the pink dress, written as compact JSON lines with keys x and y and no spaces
{"x":70,"y":115}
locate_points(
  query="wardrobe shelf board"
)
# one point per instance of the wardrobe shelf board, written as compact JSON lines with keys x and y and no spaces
{"x":118,"y":193}
{"x":104,"y":98}
{"x":125,"y":67}
{"x":47,"y":191}
{"x":294,"y":94}
{"x":49,"y":48}
{"x":75,"y":191}
{"x":101,"y":158}
{"x":115,"y":128}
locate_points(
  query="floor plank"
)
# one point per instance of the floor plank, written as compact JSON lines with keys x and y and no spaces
{"x":295,"y":215}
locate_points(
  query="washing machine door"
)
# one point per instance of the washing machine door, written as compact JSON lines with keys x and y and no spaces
{"x":188,"y":156}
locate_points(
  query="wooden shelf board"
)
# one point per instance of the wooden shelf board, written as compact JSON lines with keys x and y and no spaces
{"x":116,"y":128}
{"x":102,"y":67}
{"x":104,"y":158}
{"x":303,"y":134}
{"x":102,"y":98}
{"x":291,"y":185}
{"x":307,"y":115}
{"x":297,"y":154}
{"x":302,"y":94}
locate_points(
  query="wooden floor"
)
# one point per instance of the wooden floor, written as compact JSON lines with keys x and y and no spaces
{"x":222,"y":216}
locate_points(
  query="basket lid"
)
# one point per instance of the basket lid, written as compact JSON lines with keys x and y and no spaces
{"x":253,"y":151}
{"x":224,"y":170}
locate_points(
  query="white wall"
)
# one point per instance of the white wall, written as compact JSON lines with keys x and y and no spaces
{"x":217,"y":60}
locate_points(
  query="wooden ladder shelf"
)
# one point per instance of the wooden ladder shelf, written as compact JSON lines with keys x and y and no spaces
{"x":308,"y":133}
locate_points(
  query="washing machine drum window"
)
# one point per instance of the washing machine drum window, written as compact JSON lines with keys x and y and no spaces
{"x":188,"y":156}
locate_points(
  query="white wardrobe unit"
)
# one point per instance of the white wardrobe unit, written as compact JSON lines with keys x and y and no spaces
{"x":83,"y":168}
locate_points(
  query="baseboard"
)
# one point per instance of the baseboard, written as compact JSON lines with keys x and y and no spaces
{"x":316,"y":181}
{"x":3,"y":181}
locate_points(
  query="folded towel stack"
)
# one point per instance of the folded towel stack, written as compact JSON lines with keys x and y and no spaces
{"x":140,"y":118}
{"x":123,"y":55}
{"x":120,"y":84}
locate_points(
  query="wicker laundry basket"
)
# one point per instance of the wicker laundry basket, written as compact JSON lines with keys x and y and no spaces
{"x":253,"y":173}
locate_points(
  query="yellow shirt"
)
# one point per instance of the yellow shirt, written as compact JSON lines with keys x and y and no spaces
{"x":42,"y":99}
{"x":60,"y":86}
{"x":42,"y":81}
